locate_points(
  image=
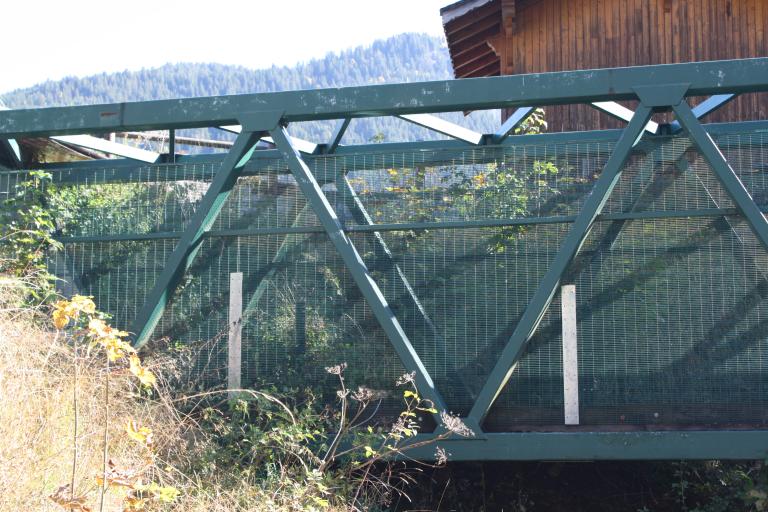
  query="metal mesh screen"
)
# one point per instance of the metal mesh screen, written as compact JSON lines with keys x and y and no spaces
{"x":670,"y":294}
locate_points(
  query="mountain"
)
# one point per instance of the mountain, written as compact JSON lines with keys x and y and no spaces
{"x":402,"y":58}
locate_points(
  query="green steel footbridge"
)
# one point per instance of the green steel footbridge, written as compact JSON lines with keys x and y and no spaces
{"x":572,"y":296}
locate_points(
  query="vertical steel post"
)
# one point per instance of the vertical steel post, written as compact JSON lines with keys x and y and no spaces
{"x":172,"y":145}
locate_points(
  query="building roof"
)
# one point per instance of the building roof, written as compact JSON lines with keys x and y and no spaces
{"x":469,"y":25}
{"x":460,"y":8}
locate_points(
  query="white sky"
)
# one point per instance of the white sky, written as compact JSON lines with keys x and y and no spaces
{"x":51,"y":39}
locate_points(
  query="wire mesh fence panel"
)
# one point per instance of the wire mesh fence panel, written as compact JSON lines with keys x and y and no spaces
{"x":490,"y":183}
{"x":671,"y":327}
{"x":670,"y":283}
{"x":117,"y":274}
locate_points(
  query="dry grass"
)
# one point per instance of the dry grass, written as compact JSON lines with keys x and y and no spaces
{"x":37,"y":422}
{"x":37,"y":415}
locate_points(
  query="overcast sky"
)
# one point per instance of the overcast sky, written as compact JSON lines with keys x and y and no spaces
{"x":51,"y":39}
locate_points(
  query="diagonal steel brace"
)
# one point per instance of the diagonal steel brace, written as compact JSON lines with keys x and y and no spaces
{"x":357,"y":268}
{"x":723,"y":170}
{"x":190,"y":242}
{"x":545,"y":292}
{"x":381,"y":250}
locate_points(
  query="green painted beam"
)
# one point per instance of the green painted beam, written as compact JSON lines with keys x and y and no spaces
{"x":707,"y":106}
{"x":724,"y":172}
{"x":356,"y":207}
{"x":567,"y":87}
{"x":357,"y":268}
{"x":10,"y":148}
{"x":347,"y":158}
{"x":512,"y":123}
{"x":189,"y":244}
{"x":580,"y":445}
{"x":407,"y":226}
{"x":302,"y":145}
{"x":434,"y":152}
{"x":338,"y":135}
{"x":712,"y":104}
{"x":541,"y":299}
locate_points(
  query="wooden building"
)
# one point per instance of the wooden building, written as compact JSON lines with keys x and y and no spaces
{"x":505,"y":37}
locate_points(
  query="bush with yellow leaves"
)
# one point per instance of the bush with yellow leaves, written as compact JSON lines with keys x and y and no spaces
{"x":79,"y":320}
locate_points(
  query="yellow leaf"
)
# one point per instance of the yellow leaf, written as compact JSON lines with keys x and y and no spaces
{"x":84,"y":304}
{"x":142,"y":435}
{"x":60,"y":319}
{"x":166,"y":494}
{"x":133,"y":503}
{"x":479,"y":179}
{"x":116,"y":348}
{"x":110,"y":339}
{"x":98,"y":327}
{"x":146,"y":377}
{"x":64,"y":312}
{"x":321,"y":502}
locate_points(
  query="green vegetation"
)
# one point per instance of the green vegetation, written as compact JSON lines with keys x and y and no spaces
{"x":27,"y":224}
{"x":159,"y":443}
{"x":106,"y":442}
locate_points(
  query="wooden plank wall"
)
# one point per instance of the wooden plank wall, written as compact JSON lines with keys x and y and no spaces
{"x":558,"y":35}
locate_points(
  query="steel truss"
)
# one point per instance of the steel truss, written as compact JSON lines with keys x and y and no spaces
{"x":258,"y":116}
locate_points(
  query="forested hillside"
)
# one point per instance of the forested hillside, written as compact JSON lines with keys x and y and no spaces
{"x":403,"y":58}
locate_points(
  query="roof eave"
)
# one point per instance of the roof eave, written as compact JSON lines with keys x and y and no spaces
{"x":460,"y":8}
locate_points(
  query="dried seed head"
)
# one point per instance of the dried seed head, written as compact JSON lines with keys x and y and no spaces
{"x":363,"y":394}
{"x":441,"y":457}
{"x":406,"y":378}
{"x":454,"y":424}
{"x":336,"y":370}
